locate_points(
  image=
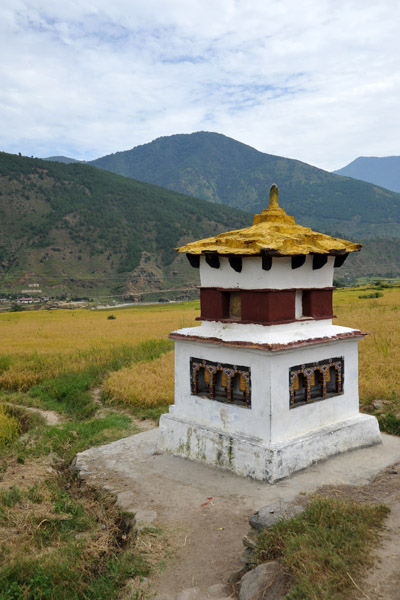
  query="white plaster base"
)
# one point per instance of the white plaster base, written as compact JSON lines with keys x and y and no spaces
{"x":250,"y":457}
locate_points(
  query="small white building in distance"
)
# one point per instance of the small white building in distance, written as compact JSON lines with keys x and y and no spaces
{"x":266,"y":385}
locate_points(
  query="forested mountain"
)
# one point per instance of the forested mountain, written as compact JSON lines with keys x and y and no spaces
{"x":76,"y":228}
{"x":222,"y":170}
{"x":380,"y":171}
{"x":83,"y":231}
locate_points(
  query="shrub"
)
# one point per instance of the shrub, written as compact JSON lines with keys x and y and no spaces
{"x":16,"y":308}
{"x":371,"y":295}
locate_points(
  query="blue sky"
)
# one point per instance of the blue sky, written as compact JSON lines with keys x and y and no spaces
{"x":315,"y":80}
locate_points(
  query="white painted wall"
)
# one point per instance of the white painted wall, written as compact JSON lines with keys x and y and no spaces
{"x":286,"y":422}
{"x":299,"y":304}
{"x":229,"y":418}
{"x":270,"y":418}
{"x":281,"y":275}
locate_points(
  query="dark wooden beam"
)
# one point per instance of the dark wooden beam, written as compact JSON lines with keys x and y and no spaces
{"x":266,"y":261}
{"x":212,"y":259}
{"x":236,"y":262}
{"x":319,"y":260}
{"x":339,"y":260}
{"x":194,"y":260}
{"x":298,"y":261}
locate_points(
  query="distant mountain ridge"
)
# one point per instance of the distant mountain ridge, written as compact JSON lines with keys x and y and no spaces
{"x":219,"y":169}
{"x":74,"y":228}
{"x":383,"y":171}
{"x":87,"y":231}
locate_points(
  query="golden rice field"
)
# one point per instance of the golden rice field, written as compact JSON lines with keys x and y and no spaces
{"x":43,"y":344}
{"x":144,"y":383}
{"x":380,"y":350}
{"x":69,"y":331}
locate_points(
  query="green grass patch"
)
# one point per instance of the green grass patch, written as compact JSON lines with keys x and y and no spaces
{"x":147,"y":412}
{"x":68,"y":575}
{"x":55,"y":530}
{"x":34,"y":495}
{"x":69,"y":518}
{"x":75,"y":436}
{"x":9,"y":498}
{"x":5,"y":362}
{"x":324,"y":546}
{"x":125,"y":355}
{"x":69,"y":393}
{"x":371,"y":295}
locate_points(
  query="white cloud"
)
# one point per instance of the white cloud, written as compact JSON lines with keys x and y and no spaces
{"x":314,"y":80}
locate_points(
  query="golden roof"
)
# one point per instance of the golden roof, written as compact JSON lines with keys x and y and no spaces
{"x":273,"y":232}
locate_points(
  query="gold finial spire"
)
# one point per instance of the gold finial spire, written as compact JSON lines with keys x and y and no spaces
{"x":274,"y":213}
{"x":273,"y":196}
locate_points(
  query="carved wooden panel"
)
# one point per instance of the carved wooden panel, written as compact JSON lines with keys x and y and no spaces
{"x":220,"y":381}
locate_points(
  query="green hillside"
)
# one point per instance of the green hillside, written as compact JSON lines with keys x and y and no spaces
{"x":76,"y":230}
{"x":222,"y":170}
{"x":380,"y":257}
{"x":73,"y":228}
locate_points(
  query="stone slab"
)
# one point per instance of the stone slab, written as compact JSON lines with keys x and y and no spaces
{"x":265,"y":582}
{"x":267,"y":516}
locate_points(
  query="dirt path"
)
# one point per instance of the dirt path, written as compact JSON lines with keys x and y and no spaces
{"x":205,"y":511}
{"x":50,"y":416}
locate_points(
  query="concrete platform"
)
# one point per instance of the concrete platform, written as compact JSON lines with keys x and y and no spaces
{"x":173,"y":492}
{"x":136,"y":459}
{"x":250,"y":457}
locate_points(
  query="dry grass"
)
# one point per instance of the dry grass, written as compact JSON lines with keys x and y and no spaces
{"x":45,"y":344}
{"x":61,"y":539}
{"x":144,"y":383}
{"x":9,"y":427}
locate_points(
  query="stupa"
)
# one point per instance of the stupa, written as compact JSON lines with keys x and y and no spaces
{"x":266,"y":385}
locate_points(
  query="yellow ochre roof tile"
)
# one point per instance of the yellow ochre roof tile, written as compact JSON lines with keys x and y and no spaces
{"x":273,"y":232}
